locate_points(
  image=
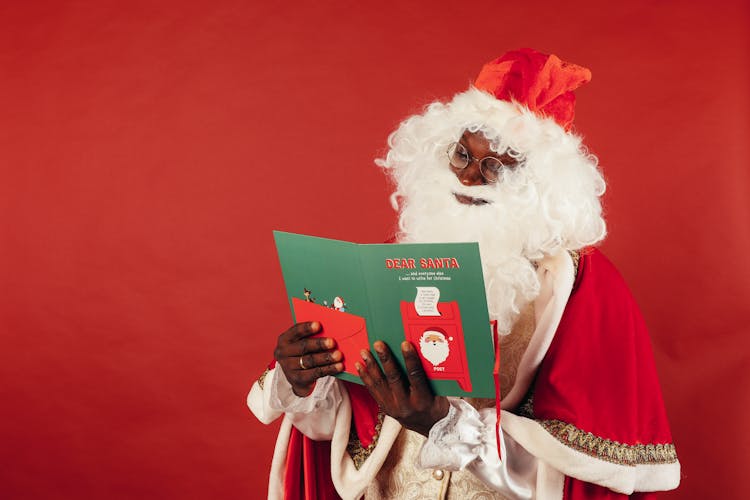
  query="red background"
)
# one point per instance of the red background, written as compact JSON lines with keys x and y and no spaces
{"x":147,"y":150}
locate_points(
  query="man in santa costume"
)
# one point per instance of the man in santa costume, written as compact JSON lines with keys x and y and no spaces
{"x":579,"y":412}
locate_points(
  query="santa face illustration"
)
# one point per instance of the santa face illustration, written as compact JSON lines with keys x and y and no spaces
{"x":339,"y":304}
{"x":434,"y":347}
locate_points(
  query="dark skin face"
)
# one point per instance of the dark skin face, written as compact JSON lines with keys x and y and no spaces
{"x":479,"y":148}
{"x":407,"y":397}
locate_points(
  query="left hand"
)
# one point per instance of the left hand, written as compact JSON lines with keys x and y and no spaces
{"x":409,"y":401}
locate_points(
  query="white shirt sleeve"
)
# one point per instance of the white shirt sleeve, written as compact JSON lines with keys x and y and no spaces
{"x":465,"y":439}
{"x":313,"y":415}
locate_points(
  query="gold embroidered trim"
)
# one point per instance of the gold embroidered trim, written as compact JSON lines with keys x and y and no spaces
{"x":355,"y":449}
{"x":611,"y":451}
{"x":576,"y":256}
{"x":526,"y":408}
{"x":262,"y":377}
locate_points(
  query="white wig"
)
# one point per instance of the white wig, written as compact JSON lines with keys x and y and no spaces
{"x":549,"y":203}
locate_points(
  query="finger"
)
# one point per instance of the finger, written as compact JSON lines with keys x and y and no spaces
{"x":367,"y":381}
{"x":373,"y":380}
{"x":415,"y":371}
{"x":302,"y":330}
{"x":293,"y":335}
{"x":306,"y":346}
{"x":370,"y":373}
{"x":363,"y":374}
{"x":312,"y":374}
{"x":391,"y":370}
{"x":310,"y":361}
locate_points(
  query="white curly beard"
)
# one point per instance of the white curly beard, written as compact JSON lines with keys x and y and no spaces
{"x":432,"y":214}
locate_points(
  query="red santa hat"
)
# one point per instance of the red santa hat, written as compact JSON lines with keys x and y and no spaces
{"x":543,"y":83}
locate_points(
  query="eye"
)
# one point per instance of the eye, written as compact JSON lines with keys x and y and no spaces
{"x":458,"y":156}
{"x":492,"y":164}
{"x":491,"y":168}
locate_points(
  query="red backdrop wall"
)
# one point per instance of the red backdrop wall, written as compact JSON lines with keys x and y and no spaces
{"x":147,"y":150}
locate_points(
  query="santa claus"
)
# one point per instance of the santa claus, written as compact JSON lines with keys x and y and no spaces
{"x":434,"y":346}
{"x":582,"y":415}
{"x":339,"y":304}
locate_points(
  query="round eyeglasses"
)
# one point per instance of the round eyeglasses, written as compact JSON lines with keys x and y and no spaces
{"x":460,"y":158}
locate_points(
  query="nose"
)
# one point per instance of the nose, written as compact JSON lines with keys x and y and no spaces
{"x":471,"y":175}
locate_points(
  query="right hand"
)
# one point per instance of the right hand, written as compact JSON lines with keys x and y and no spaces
{"x":305,"y":360}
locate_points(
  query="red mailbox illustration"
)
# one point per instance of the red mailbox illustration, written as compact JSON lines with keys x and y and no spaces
{"x":439,"y":339}
{"x":347,"y":329}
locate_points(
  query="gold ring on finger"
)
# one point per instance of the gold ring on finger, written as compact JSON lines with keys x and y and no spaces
{"x":302,"y":363}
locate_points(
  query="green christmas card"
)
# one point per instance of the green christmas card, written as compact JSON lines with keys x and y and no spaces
{"x":431,"y":294}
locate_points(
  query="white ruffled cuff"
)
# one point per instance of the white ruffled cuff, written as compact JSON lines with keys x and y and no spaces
{"x":283,"y":397}
{"x":458,"y":439}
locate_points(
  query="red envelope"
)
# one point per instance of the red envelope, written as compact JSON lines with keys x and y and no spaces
{"x":348,"y":330}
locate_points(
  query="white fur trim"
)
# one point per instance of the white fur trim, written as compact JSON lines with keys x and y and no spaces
{"x":349,"y":481}
{"x":276,"y":476}
{"x":556,"y":276}
{"x":259,"y":404}
{"x":621,"y":478}
{"x":550,"y":482}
